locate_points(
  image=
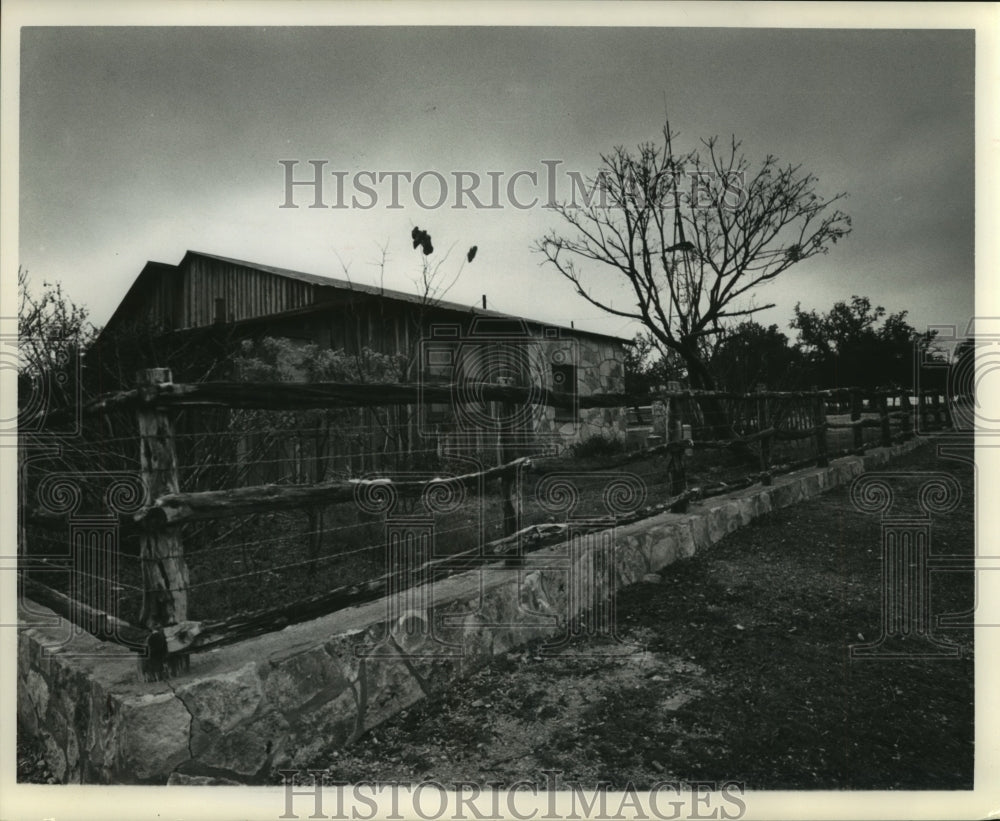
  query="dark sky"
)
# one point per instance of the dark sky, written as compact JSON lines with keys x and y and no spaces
{"x":140,"y":144}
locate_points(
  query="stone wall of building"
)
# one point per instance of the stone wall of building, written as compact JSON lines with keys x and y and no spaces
{"x":600,"y":368}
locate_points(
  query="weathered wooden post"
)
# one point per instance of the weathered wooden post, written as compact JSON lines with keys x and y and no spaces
{"x":907,"y":417}
{"x":763,"y":423}
{"x":858,"y":430}
{"x":883,"y":412}
{"x":942,"y":410}
{"x":675,"y":433}
{"x":509,"y":482}
{"x":659,"y":417}
{"x":819,"y":422}
{"x":164,"y":572}
{"x":922,"y":419}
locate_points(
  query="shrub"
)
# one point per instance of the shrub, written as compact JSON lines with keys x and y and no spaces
{"x":599,"y":445}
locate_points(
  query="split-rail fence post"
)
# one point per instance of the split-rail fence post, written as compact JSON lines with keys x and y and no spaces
{"x":907,"y":417}
{"x":819,"y":422}
{"x":859,"y":436}
{"x":164,"y":572}
{"x":763,"y":423}
{"x":883,"y":411}
{"x":944,"y":411}
{"x":675,"y":433}
{"x":940,"y":411}
{"x":506,"y":452}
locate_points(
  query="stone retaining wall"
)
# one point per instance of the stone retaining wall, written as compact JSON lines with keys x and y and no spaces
{"x":286,"y":698}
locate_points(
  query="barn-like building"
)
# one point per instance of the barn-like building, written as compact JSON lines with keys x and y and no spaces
{"x":209,"y":297}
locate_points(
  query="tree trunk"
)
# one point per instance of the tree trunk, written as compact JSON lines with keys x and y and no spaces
{"x":700,"y":378}
{"x":717,"y":418}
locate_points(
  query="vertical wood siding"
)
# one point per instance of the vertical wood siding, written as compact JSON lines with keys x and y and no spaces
{"x":247,"y":293}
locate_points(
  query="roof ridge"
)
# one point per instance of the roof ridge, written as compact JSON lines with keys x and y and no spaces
{"x":391,"y":293}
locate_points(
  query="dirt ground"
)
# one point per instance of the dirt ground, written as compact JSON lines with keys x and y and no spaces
{"x":736,"y":666}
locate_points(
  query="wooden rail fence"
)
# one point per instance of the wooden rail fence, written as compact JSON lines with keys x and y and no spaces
{"x":155,"y":398}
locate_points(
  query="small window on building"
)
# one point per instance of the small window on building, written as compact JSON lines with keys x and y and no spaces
{"x":564,"y":382}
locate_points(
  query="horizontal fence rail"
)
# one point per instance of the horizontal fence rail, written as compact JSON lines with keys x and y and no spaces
{"x":310,"y":395}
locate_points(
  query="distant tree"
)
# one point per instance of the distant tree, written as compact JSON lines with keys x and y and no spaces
{"x":749,"y":355}
{"x":690,"y":261}
{"x":647,"y":367}
{"x":962,"y":371}
{"x":53,"y":334}
{"x":855,"y":344}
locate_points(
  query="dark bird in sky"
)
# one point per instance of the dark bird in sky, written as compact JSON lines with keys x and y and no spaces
{"x":682,"y":246}
{"x":472,"y":253}
{"x":421,"y":239}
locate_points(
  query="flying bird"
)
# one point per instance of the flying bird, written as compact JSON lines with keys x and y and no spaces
{"x":472,"y":253}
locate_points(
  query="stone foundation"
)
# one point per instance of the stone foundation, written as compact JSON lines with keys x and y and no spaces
{"x":286,"y":698}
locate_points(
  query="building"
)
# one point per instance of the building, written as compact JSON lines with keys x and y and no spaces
{"x":211,"y":297}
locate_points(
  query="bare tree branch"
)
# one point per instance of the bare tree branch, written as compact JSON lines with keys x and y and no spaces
{"x":692,"y":235}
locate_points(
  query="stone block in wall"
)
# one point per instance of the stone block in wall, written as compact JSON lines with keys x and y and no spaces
{"x":34,"y":701}
{"x":764,"y":502}
{"x":153,"y":734}
{"x":555,"y":581}
{"x":55,"y":757}
{"x":786,"y":492}
{"x":665,"y":545}
{"x":846,"y":469}
{"x":701,"y":537}
{"x":307,"y":677}
{"x":812,"y":484}
{"x":748,"y":509}
{"x":717,"y":528}
{"x":386,"y":685}
{"x":247,"y":751}
{"x":220,"y":702}
{"x":323,"y":728}
{"x":631,"y":563}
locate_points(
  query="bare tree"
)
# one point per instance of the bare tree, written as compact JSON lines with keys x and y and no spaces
{"x":53,"y":332}
{"x":691,"y":236}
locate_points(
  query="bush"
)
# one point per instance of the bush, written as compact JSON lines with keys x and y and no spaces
{"x":596,"y":446}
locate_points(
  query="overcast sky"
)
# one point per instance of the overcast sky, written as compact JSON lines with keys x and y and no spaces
{"x":140,"y":144}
